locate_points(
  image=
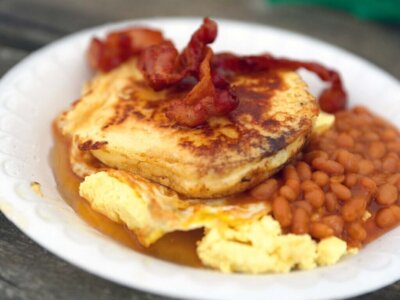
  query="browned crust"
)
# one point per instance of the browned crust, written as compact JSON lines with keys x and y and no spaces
{"x":90,"y":145}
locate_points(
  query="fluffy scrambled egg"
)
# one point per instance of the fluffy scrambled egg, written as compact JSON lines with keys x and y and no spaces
{"x":323,"y":123}
{"x":260,"y":247}
{"x":151,"y":210}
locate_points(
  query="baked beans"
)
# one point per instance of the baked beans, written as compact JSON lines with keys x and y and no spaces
{"x":330,"y":167}
{"x":320,"y":230}
{"x":281,"y":211}
{"x":287,"y":192}
{"x":347,"y":160}
{"x":354,"y":209}
{"x":366,"y":167}
{"x":390,"y":163}
{"x":303,"y":170}
{"x":294,"y":184}
{"x":357,"y":231}
{"x":368,"y":184}
{"x":290,"y":173}
{"x":388,"y":216}
{"x":340,"y":191}
{"x":376,"y":150}
{"x":387,"y":194}
{"x":335,"y":222}
{"x":315,"y":197}
{"x":309,"y":185}
{"x":344,"y":175}
{"x":305,"y":205}
{"x":331,"y":202}
{"x":266,"y":190}
{"x":320,"y":178}
{"x":301,"y":220}
{"x":344,"y":140}
{"x":351,"y":180}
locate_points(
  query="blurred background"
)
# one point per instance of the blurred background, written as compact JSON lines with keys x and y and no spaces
{"x":368,"y":28}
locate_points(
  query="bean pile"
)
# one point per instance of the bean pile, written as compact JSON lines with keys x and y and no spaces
{"x":345,"y":183}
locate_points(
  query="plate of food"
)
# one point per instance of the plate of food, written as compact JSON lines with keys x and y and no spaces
{"x":206,"y":160}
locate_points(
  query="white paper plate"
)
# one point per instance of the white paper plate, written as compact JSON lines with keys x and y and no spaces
{"x":46,"y":82}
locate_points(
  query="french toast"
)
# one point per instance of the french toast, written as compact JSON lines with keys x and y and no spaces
{"x":120,"y":121}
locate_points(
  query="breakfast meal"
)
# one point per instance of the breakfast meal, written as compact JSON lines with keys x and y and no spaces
{"x":221,"y":160}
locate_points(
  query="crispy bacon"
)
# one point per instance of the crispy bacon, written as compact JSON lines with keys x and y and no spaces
{"x":163,"y":66}
{"x":193,"y":54}
{"x":119,"y":46}
{"x":331,"y":100}
{"x":159,"y":64}
{"x":206,"y":99}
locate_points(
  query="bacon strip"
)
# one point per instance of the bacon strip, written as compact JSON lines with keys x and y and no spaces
{"x":163,"y":67}
{"x":119,"y":46}
{"x":332,"y":99}
{"x":206,"y":99}
{"x":159,"y":65}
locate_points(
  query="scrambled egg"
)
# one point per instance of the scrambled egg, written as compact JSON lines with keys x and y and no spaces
{"x":151,"y":210}
{"x":322,"y":123}
{"x":260,"y":247}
